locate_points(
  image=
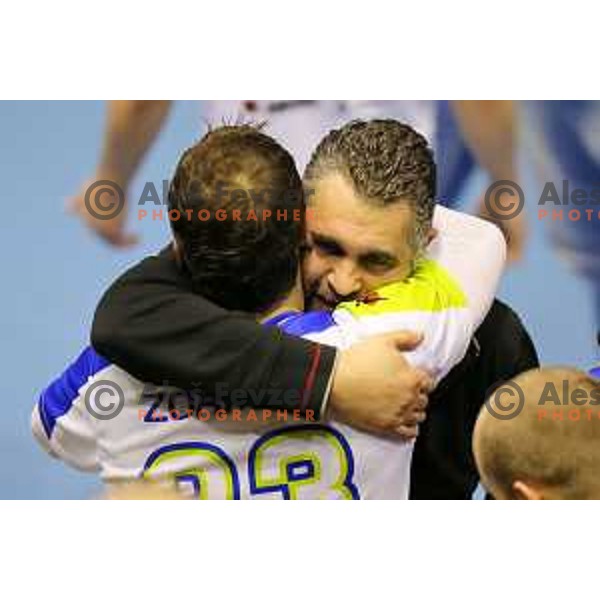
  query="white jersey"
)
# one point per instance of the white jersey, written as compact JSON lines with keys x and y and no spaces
{"x":267,"y":453}
{"x":301,"y":124}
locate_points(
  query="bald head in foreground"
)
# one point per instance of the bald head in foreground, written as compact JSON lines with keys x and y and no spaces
{"x":551,"y":448}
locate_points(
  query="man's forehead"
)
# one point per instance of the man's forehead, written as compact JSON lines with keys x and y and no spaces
{"x":334,"y":199}
{"x":361,"y":233}
{"x":354,"y":240}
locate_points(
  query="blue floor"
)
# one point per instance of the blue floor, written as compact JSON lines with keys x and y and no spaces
{"x":54,"y":273}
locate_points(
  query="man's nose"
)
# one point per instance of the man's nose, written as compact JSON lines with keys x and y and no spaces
{"x":344,"y":280}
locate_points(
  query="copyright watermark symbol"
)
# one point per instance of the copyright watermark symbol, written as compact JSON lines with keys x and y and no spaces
{"x":104,"y":399}
{"x":504,"y":199}
{"x":104,"y":199}
{"x":555,"y":399}
{"x":506,"y":401}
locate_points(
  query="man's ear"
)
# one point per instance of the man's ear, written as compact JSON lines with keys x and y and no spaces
{"x":524,"y":491}
{"x":431,"y":235}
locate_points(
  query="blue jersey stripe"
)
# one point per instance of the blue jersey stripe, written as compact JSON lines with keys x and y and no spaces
{"x":278,"y":319}
{"x":301,"y":324}
{"x":56,"y":400}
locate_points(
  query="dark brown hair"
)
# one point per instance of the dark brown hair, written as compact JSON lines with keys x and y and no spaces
{"x":244,"y":264}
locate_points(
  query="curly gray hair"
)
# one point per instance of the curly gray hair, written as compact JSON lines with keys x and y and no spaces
{"x":386,"y":161}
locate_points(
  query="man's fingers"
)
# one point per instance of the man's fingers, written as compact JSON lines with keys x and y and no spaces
{"x":406,"y":340}
{"x":420,"y":416}
{"x":422,"y":402}
{"x":407,"y":431}
{"x":425,"y":383}
{"x":124,"y":240}
{"x":73,"y":205}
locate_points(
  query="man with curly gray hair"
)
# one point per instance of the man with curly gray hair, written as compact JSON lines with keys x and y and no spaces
{"x":371,"y":188}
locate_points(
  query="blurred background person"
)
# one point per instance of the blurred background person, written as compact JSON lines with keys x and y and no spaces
{"x":476,"y":143}
{"x":470,"y":138}
{"x":560,"y":142}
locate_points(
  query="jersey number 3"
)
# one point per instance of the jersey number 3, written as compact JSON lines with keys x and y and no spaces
{"x":304,"y":462}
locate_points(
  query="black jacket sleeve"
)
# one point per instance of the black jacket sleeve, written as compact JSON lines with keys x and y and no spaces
{"x":152,"y":325}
